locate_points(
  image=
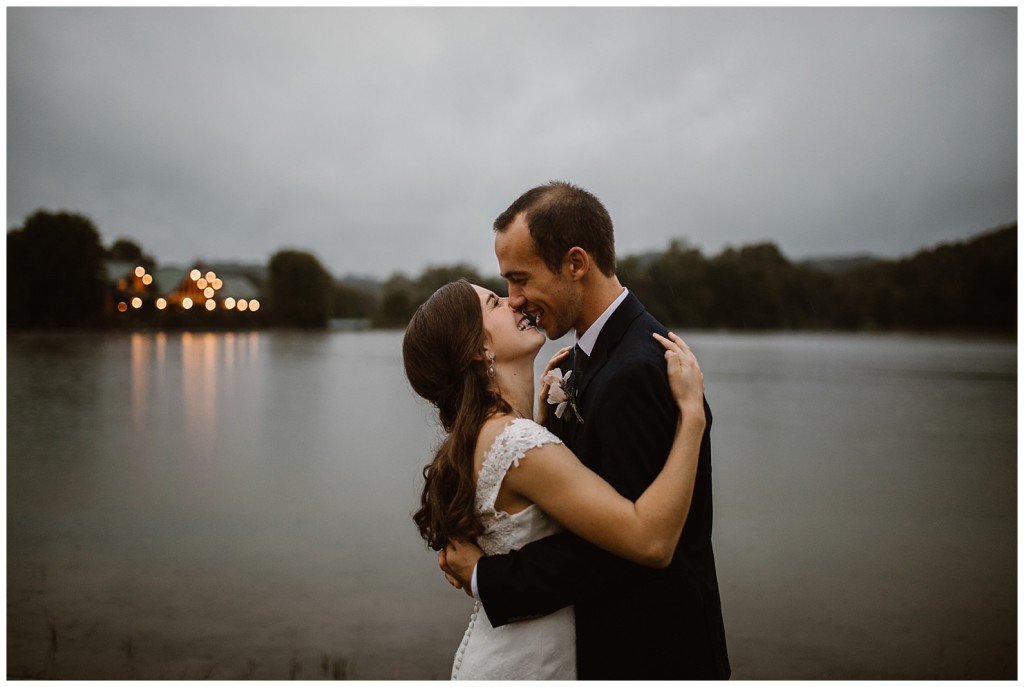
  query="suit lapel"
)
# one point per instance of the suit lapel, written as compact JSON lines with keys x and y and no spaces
{"x":611,"y":334}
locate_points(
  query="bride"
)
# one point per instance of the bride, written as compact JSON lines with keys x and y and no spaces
{"x":471,"y":355}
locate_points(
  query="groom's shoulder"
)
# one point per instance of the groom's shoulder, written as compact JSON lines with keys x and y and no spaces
{"x":638,"y":351}
{"x":631,"y":340}
{"x":639,"y":335}
{"x":639,"y":318}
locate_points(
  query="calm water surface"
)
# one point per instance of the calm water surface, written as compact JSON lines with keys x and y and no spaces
{"x":218,"y":505}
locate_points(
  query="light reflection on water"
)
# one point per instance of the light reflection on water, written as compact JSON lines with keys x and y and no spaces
{"x":234,"y":505}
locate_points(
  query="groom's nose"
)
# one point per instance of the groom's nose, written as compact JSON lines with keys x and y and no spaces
{"x":515,"y":300}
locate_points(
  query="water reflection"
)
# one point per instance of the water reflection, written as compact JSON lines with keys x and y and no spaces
{"x":849,"y":520}
{"x":206,"y":361}
{"x":199,"y":385}
{"x":141,"y":369}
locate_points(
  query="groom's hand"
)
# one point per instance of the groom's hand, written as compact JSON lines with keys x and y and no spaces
{"x":458,"y":560}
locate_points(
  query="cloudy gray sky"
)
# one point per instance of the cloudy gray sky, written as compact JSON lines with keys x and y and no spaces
{"x":385,"y":139}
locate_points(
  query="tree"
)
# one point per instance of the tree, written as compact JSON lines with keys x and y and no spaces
{"x":126,"y":250}
{"x":963,"y":285}
{"x":679,"y":277}
{"x":990,"y":273}
{"x":353,"y":300}
{"x":55,"y":274}
{"x":299,"y":290}
{"x":748,"y":285}
{"x":400,"y":295}
{"x":397,"y":302}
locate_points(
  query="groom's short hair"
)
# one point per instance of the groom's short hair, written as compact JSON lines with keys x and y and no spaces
{"x":560,"y":216}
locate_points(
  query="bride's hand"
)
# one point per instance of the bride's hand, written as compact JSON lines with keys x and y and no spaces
{"x":542,"y":396}
{"x":684,"y":375}
{"x":457,"y":560}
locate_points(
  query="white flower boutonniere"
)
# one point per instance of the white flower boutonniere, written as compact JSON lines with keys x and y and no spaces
{"x":562,"y":395}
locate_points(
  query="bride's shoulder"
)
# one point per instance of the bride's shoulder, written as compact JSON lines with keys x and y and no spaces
{"x":516,"y":433}
{"x":495,"y":425}
{"x":509,"y":425}
{"x":505,"y":440}
{"x":501,"y":419}
{"x":491,"y":429}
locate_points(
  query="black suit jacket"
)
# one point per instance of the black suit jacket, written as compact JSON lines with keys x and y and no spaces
{"x":632,"y":622}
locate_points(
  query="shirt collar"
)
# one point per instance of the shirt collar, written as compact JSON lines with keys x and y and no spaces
{"x":589,"y":338}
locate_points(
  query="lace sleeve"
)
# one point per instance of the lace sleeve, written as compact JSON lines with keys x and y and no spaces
{"x":509,"y":447}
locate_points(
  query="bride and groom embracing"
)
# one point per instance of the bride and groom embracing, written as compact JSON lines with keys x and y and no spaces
{"x":585,"y":535}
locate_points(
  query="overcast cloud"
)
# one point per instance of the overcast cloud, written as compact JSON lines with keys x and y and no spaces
{"x":385,"y":139}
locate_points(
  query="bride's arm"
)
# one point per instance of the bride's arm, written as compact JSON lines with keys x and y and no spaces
{"x":645,"y":531}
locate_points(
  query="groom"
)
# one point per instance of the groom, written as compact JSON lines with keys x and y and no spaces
{"x":555,"y":247}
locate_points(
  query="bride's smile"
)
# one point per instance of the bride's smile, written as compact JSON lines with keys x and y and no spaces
{"x":511,"y":333}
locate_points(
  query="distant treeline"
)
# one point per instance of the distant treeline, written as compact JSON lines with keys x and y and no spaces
{"x":968,"y":285}
{"x":965,"y":286}
{"x":56,"y":278}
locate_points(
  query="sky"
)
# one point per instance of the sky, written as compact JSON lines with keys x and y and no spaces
{"x":386,"y":139}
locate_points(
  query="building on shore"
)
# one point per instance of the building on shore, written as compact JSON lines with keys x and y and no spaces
{"x":198,"y":296}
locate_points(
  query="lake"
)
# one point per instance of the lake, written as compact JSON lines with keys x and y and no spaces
{"x":237,"y":505}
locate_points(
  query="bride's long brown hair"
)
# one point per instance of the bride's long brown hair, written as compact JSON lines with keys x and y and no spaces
{"x":443,"y":352}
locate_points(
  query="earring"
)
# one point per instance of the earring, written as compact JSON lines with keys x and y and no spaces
{"x":490,"y":368}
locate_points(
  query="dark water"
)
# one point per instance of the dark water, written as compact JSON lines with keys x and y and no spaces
{"x":237,"y":506}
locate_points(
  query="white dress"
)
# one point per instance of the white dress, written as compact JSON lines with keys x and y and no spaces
{"x":538,"y":649}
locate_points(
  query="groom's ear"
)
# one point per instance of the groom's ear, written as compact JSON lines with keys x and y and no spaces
{"x":578,"y":262}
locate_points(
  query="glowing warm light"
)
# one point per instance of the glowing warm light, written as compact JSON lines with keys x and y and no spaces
{"x":161,"y":303}
{"x":210,"y":305}
{"x":195,"y":274}
{"x":122,"y":307}
{"x":217,"y":284}
{"x":210,"y":276}
{"x":209,"y":292}
{"x":186,"y":303}
{"x":139,"y":271}
{"x":242,"y":305}
{"x":202,"y":283}
{"x":229,"y":303}
{"x":147,"y":279}
{"x":136,"y":302}
{"x":254,"y":305}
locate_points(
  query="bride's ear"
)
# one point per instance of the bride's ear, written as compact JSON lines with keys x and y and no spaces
{"x":484,"y":354}
{"x":486,"y":357}
{"x":487,"y":345}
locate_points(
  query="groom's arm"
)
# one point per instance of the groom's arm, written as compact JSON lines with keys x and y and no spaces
{"x":544,"y":576}
{"x":633,"y":428}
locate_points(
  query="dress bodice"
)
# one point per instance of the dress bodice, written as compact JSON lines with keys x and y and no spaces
{"x":542,"y":648}
{"x":507,"y":531}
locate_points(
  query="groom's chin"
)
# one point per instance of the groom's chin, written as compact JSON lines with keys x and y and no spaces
{"x":553,"y":335}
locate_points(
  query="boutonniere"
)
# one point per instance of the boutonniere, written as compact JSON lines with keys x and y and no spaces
{"x":563,"y":395}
